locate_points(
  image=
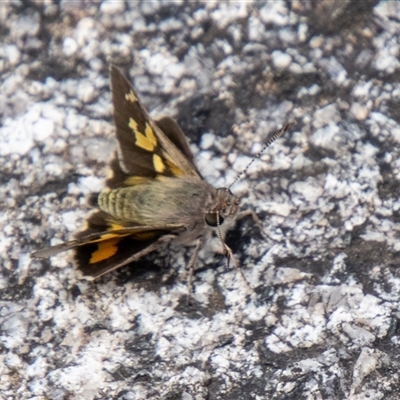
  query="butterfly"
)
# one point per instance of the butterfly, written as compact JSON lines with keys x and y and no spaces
{"x":155,"y":195}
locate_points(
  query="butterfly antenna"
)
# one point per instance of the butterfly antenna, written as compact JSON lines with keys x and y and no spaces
{"x":275,"y":136}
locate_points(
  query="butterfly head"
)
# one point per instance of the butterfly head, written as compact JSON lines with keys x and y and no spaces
{"x":226,"y":205}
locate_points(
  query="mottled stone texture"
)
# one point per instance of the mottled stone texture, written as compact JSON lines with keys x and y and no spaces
{"x":322,"y":320}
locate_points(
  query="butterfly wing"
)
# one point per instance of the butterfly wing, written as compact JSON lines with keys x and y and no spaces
{"x":144,"y":149}
{"x":175,"y":134}
{"x":105,"y":245}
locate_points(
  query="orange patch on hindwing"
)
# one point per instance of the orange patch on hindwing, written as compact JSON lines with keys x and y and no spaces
{"x":105,"y":250}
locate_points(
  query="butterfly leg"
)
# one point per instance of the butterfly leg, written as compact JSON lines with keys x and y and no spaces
{"x":255,"y":219}
{"x":191,"y":265}
{"x":229,"y":256}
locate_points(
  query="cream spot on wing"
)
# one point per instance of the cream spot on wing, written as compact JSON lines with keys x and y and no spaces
{"x":131,"y":97}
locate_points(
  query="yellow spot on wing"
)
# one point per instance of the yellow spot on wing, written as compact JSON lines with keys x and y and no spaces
{"x":146,"y":141}
{"x":150,"y":134}
{"x":133,"y":124}
{"x":104,"y":250}
{"x":145,"y":235}
{"x":158,"y":163}
{"x":114,"y":227}
{"x":135,"y":180}
{"x":176,"y":171}
{"x":105,"y":237}
{"x":130,"y":97}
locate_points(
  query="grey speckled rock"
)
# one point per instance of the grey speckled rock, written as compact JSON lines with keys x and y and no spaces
{"x":323,"y":319}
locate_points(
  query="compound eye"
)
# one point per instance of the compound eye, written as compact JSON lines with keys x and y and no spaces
{"x":211,"y":219}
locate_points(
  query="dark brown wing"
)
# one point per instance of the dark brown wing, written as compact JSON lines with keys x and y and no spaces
{"x":144,"y":150}
{"x":174,"y":133}
{"x":105,"y":245}
{"x":96,"y":259}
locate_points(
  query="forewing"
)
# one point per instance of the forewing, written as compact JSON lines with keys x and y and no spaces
{"x":144,"y":150}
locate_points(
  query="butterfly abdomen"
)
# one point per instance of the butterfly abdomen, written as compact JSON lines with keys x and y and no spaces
{"x":114,"y":202}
